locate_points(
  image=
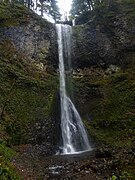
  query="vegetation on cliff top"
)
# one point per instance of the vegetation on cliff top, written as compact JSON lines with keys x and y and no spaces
{"x":19,"y":15}
{"x":100,"y":11}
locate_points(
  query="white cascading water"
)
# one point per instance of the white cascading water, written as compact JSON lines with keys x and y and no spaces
{"x":74,"y":136}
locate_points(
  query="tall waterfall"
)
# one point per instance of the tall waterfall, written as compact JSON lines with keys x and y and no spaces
{"x":74,"y":136}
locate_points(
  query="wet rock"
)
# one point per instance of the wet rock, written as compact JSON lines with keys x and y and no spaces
{"x":41,"y":137}
{"x":37,"y":40}
{"x":109,"y":44}
{"x":103,"y":154}
{"x":112,"y":69}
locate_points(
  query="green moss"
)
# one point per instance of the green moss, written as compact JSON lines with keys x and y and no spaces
{"x":26,"y":93}
{"x":13,"y":16}
{"x":7,"y":169}
{"x":108,"y":102}
{"x":19,"y":15}
{"x":107,"y":107}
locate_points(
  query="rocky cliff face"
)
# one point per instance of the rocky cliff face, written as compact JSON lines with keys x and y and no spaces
{"x":104,"y":63}
{"x":36,"y":39}
{"x":103,"y":77}
{"x":102,"y":42}
{"x":29,"y":82}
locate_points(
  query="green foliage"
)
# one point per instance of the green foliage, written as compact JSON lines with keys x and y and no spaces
{"x":7,"y":173}
{"x":26,"y":93}
{"x":129,"y":2}
{"x":106,"y":103}
{"x":109,"y":101}
{"x":50,"y":8}
{"x":13,"y":16}
{"x":126,"y":175}
{"x":114,"y":177}
{"x":101,"y":11}
{"x":7,"y":169}
{"x":117,"y":111}
{"x":19,"y":15}
{"x":5,"y":151}
{"x":54,"y":10}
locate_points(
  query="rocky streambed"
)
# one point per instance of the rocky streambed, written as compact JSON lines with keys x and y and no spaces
{"x":99,"y":164}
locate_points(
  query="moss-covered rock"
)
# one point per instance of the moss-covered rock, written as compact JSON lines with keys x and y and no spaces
{"x":107,"y":38}
{"x":32,"y":36}
{"x":107,"y":102}
{"x":26,"y":97}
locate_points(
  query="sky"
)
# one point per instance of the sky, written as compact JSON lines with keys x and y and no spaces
{"x":65,"y":6}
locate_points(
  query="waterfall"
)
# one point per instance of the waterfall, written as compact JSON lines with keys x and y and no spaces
{"x":74,"y":136}
{"x":73,"y":22}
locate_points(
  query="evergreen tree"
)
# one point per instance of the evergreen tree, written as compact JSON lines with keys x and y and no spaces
{"x":80,"y":6}
{"x":54,"y":10}
{"x":86,"y":10}
{"x":50,"y":7}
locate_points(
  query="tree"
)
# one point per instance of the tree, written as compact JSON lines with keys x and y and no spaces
{"x":54,"y":10}
{"x":46,"y":6}
{"x":80,"y":6}
{"x":50,"y":7}
{"x":77,"y":7}
{"x":86,"y":10}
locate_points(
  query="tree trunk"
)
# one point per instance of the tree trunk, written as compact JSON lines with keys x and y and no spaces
{"x":42,"y":9}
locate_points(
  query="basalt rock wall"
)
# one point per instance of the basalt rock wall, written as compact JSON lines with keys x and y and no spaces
{"x":102,"y":42}
{"x":35,"y":39}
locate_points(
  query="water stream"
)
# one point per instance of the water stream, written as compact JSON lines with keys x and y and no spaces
{"x":74,"y":136}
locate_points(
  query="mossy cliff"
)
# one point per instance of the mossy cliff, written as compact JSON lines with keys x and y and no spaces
{"x":33,"y":36}
{"x":107,"y":38}
{"x":104,"y":79}
{"x":104,"y":63}
{"x":28,"y":83}
{"x":106,"y":102}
